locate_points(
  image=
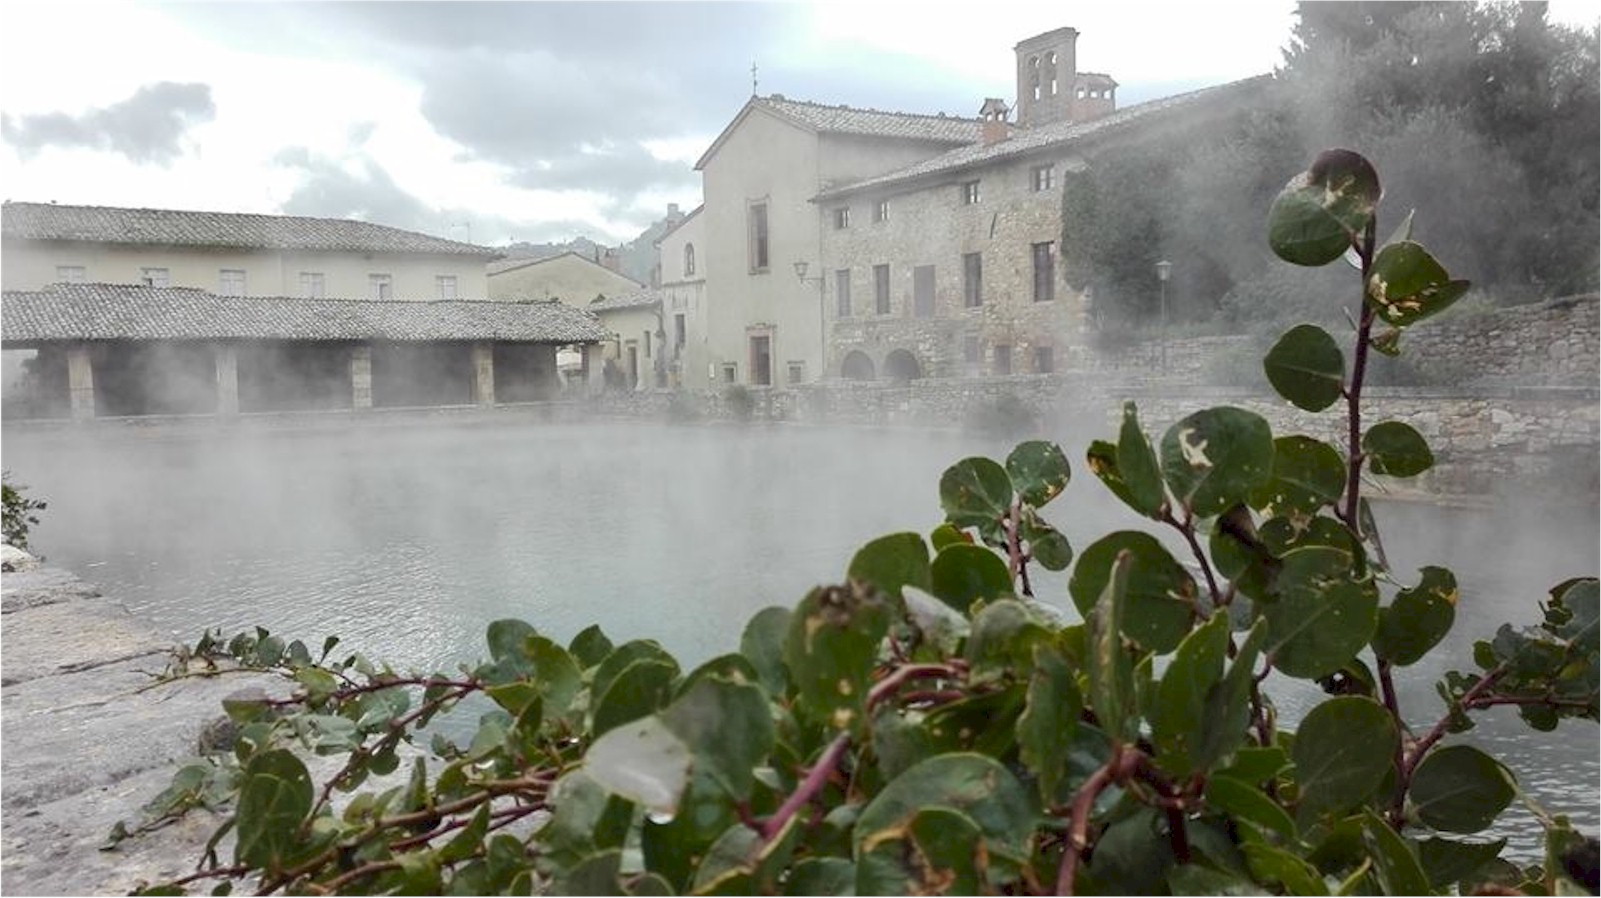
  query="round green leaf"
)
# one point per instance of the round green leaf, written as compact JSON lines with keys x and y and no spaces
{"x":1136,"y":464}
{"x":1396,"y":449}
{"x":1319,"y":212}
{"x":976,"y":785}
{"x":637,"y":690}
{"x":1216,"y":457}
{"x":1305,"y":366}
{"x":963,"y":573}
{"x":1406,"y":284}
{"x":590,"y":646}
{"x":1180,"y":710}
{"x":938,"y":852}
{"x":891,"y":562}
{"x":1418,"y":618}
{"x":830,"y":651}
{"x":644,"y":762}
{"x":1044,"y":543}
{"x":1038,"y":471}
{"x":623,"y":656}
{"x":1045,"y":731}
{"x":975,"y":492}
{"x":821,"y":876}
{"x":1002,"y":640}
{"x":274,"y":798}
{"x":1161,"y":593}
{"x":1447,"y":862}
{"x":946,"y":535}
{"x":1244,"y":801}
{"x":729,"y":728}
{"x":1459,"y":789}
{"x":1399,"y":869}
{"x":763,"y":644}
{"x":1307,"y":475}
{"x":1322,"y":616}
{"x":1342,"y":751}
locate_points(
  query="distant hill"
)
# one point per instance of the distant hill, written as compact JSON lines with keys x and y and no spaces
{"x":635,"y":258}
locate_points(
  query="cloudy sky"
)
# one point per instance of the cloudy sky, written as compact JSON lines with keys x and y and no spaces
{"x":506,"y":121}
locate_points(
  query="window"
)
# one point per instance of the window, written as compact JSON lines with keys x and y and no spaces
{"x":1003,"y":358}
{"x":380,"y":286}
{"x":970,"y":193}
{"x":1044,"y":360}
{"x":730,"y":372}
{"x":842,"y":218}
{"x":881,"y":289}
{"x":1044,"y":272}
{"x":312,"y":285}
{"x":972,"y":279}
{"x":155,"y":277}
{"x":70,"y":274}
{"x":231,"y":282}
{"x":1034,"y":76}
{"x":1043,"y":177}
{"x":797,"y":372}
{"x":842,"y":290}
{"x":970,"y":350}
{"x":881,"y":212}
{"x":689,"y":259}
{"x":678,"y":331}
{"x":1050,"y":66}
{"x":445,"y":286}
{"x":923,"y":291}
{"x":647,"y":344}
{"x":758,"y":237}
{"x":761,"y":361}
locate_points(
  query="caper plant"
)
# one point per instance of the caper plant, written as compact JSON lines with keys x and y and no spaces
{"x":926,"y":726}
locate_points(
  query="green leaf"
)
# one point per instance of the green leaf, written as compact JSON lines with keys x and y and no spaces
{"x":947,"y":535}
{"x":555,"y":675}
{"x":469,"y":840}
{"x":1045,"y":731}
{"x":1459,"y":789}
{"x":585,"y":817}
{"x":275,"y":795}
{"x":1271,"y":864}
{"x":1228,"y":708}
{"x":1111,"y":672}
{"x":1256,"y":764}
{"x":1161,"y":593}
{"x":1244,"y":801}
{"x":763,"y":643}
{"x":1179,"y":715}
{"x":1418,"y":618}
{"x":938,"y":851}
{"x":1343,"y":749}
{"x":891,"y":562}
{"x":1324,"y":210}
{"x":621,"y":658}
{"x":590,"y":646}
{"x":594,"y":875}
{"x":1044,"y":543}
{"x":1002,"y":642}
{"x":1216,"y":458}
{"x":1447,"y":862}
{"x":1322,"y":617}
{"x":1399,"y":870}
{"x":1101,"y":459}
{"x":1194,"y":879}
{"x":830,"y":650}
{"x":638,"y":690}
{"x":975,"y":785}
{"x":1579,"y":599}
{"x":508,"y":640}
{"x":729,"y":728}
{"x":733,"y":667}
{"x":1406,"y":284}
{"x":1395,"y":449}
{"x":1306,"y":367}
{"x":821,"y":876}
{"x":965,"y":573}
{"x":1307,"y":475}
{"x":1136,"y":462}
{"x":1132,"y":857}
{"x":975,"y":492}
{"x":1038,"y":471}
{"x":644,"y":762}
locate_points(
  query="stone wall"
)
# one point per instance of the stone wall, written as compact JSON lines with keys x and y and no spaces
{"x":1546,"y":343}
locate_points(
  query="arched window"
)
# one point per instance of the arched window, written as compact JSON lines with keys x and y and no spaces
{"x":1050,"y":66}
{"x":689,"y":259}
{"x":1034,"y":75}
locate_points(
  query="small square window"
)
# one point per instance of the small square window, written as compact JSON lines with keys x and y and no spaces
{"x":1044,"y":360}
{"x":380,"y":286}
{"x":797,"y":372}
{"x":1043,"y":177}
{"x":313,"y":285}
{"x":881,"y":212}
{"x":231,"y":282}
{"x":730,"y":372}
{"x":970,"y":193}
{"x":155,"y":277}
{"x":445,"y":286}
{"x":842,"y":218}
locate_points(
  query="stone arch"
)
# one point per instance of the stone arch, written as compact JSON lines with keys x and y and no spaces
{"x":856,"y":366}
{"x":902,"y":365}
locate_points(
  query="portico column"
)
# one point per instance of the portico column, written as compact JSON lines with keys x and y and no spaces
{"x":484,"y":373}
{"x":80,"y":381}
{"x":361,"y":376}
{"x":227,"y":379}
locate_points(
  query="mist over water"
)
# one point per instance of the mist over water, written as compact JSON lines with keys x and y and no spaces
{"x":406,"y":541}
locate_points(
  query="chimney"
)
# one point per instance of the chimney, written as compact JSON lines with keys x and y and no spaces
{"x":672,"y":211}
{"x":993,"y":112}
{"x":609,"y":260}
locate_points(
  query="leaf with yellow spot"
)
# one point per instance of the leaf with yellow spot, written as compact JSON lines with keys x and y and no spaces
{"x":1418,"y":618}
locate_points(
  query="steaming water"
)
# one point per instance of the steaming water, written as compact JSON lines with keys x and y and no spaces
{"x":407,"y":541}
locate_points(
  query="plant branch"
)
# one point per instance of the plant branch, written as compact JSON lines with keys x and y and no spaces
{"x":1466,"y":702}
{"x":1387,"y":690}
{"x":1017,"y":561}
{"x":1353,"y":393}
{"x":815,"y":779}
{"x":1187,"y":527}
{"x":886,"y":687}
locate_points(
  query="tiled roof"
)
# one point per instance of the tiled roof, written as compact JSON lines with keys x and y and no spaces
{"x":638,"y":299}
{"x":505,"y":265}
{"x":175,"y":227}
{"x":1046,"y":137}
{"x":130,"y":312}
{"x":842,"y":119}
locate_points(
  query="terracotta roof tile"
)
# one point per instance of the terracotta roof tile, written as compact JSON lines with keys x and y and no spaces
{"x":638,"y":299}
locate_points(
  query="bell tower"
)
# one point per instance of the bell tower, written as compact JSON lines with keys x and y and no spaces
{"x":1046,"y":70}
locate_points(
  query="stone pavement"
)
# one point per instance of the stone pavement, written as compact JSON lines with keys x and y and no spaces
{"x":81,"y":749}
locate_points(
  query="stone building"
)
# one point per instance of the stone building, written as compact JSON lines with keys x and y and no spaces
{"x":681,"y":271}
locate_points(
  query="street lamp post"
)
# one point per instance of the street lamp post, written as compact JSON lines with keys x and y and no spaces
{"x":1164,"y":269}
{"x":822,"y":326}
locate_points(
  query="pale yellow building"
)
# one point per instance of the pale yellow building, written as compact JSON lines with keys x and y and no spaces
{"x":638,"y":341}
{"x":681,"y":261}
{"x":570,"y":278}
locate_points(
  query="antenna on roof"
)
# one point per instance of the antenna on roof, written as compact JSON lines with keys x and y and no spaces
{"x":753,"y":77}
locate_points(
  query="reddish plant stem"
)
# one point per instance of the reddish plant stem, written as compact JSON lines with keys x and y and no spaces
{"x":815,"y":779}
{"x":1353,"y":393}
{"x":898,"y":677}
{"x":1469,"y":700}
{"x":1016,"y":559}
{"x":1397,"y":813}
{"x":1187,"y":527}
{"x":1079,"y":823}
